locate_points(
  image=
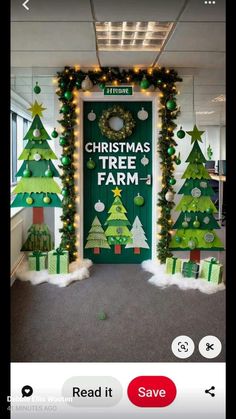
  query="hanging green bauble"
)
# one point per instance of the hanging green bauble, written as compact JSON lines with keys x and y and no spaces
{"x":144,"y":84}
{"x":171,"y":105}
{"x":196,"y":224}
{"x":139,"y":200}
{"x":29,"y":200}
{"x":185,"y":224}
{"x":180,"y":133}
{"x":178,"y":239}
{"x":172,"y":181}
{"x":65,"y":192}
{"x":209,"y":210}
{"x":159,"y":81}
{"x":192,"y":244}
{"x":63,"y":141}
{"x":171,"y":151}
{"x":102,"y":86}
{"x":54,"y":133}
{"x":68,"y":95}
{"x":48,"y":172}
{"x":70,"y":227}
{"x":78,"y":84}
{"x":46,"y":200}
{"x":65,"y":160}
{"x":91,"y":164}
{"x":65,"y":109}
{"x":27,"y":172}
{"x":62,"y":84}
{"x":177,"y":161}
{"x":37,"y":89}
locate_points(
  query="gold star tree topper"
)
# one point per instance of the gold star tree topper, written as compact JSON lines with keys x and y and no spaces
{"x":195,"y":134}
{"x":36,"y":109}
{"x":117,"y":191}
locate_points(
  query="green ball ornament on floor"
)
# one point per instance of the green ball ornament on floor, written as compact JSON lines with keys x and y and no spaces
{"x":37,"y":89}
{"x":54,"y":133}
{"x":144,"y":84}
{"x":180,"y":133}
{"x":65,"y":160}
{"x":102,"y":315}
{"x":139,"y":200}
{"x":63,"y":141}
{"x":29,"y":200}
{"x":68,"y":95}
{"x":27,"y":172}
{"x":65,"y":109}
{"x":171,"y":105}
{"x":171,"y":151}
{"x":91,"y":164}
{"x":46,"y":200}
{"x":65,"y":192}
{"x":172,"y":181}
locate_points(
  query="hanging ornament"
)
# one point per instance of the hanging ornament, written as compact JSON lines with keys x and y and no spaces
{"x":91,"y":116}
{"x":171,"y":105}
{"x":209,"y":237}
{"x":36,"y":133}
{"x":78,"y":83}
{"x":196,"y":192}
{"x":99,"y":206}
{"x":144,"y":84}
{"x":46,"y":200}
{"x":65,"y":160}
{"x":192,"y":244}
{"x":119,"y":230}
{"x":37,"y":157}
{"x":178,"y":239}
{"x":62,"y":84}
{"x":203,"y":185}
{"x":29,"y":200}
{"x":139,"y":200}
{"x":180,"y":133}
{"x":177,"y":159}
{"x":206,"y":220}
{"x":196,"y":223}
{"x":87,"y":84}
{"x":65,"y":108}
{"x":169,"y":196}
{"x":142,"y":115}
{"x":68,"y":95}
{"x":27,"y":172}
{"x":65,"y":192}
{"x":144,"y":160}
{"x":63,"y":141}
{"x":70,"y":228}
{"x":184,"y":224}
{"x":37,"y":89}
{"x":54,"y":133}
{"x":102,"y":86}
{"x":118,"y":208}
{"x":209,"y":210}
{"x":171,"y":151}
{"x":172,"y":181}
{"x":48,"y":172}
{"x":90,"y":164}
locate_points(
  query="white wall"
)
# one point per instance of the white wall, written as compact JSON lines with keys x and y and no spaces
{"x":20,"y":223}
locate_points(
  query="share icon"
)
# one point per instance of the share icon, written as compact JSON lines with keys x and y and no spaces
{"x":209,"y":391}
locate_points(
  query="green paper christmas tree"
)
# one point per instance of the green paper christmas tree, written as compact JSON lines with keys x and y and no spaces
{"x":96,"y":239}
{"x":196,"y":224}
{"x":117,"y":231}
{"x":37,"y":188}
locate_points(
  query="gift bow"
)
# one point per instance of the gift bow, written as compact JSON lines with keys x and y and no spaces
{"x":59,"y":251}
{"x":37,"y":253}
{"x":213,"y":261}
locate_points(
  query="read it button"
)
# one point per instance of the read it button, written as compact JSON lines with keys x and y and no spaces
{"x":151,"y":391}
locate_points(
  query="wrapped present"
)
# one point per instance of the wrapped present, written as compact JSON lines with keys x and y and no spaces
{"x":173,"y":265}
{"x":58,"y":261}
{"x":37,"y":260}
{"x":212,"y":270}
{"x":190,"y":269}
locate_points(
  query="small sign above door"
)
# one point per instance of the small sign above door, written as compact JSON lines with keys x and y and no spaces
{"x":118,"y":91}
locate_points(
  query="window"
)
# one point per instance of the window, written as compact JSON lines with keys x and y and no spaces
{"x":13,"y":147}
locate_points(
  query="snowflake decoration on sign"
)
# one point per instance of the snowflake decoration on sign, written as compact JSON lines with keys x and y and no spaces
{"x":206,"y":220}
{"x":91,"y":116}
{"x":203,"y":184}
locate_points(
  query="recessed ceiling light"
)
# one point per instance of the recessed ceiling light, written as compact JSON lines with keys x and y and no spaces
{"x":220,"y":98}
{"x":204,"y":112}
{"x":132,"y":36}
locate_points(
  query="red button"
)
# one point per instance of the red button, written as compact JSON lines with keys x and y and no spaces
{"x":151,"y":391}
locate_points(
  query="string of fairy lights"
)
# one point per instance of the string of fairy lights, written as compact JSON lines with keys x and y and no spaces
{"x":70,"y":82}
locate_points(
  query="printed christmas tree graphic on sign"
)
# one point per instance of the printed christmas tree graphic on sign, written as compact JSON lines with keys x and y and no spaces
{"x":196,"y":223}
{"x":96,"y":239}
{"x":139,"y":239}
{"x":37,"y":188}
{"x":117,"y":231}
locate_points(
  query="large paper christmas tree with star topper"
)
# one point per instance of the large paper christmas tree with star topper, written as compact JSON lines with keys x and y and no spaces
{"x":196,"y":224}
{"x":117,"y":231}
{"x":37,"y":188}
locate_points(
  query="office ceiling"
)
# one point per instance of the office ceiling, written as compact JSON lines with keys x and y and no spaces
{"x":53,"y":34}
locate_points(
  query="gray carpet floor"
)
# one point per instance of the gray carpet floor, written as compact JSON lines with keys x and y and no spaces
{"x":51,"y":324}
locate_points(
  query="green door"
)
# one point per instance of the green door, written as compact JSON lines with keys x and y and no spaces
{"x":117,"y":185}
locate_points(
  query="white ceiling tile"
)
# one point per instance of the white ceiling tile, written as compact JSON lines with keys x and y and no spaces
{"x":192,"y":59}
{"x":127,"y":59}
{"x":137,"y":10}
{"x":58,"y":59}
{"x":52,"y":10}
{"x":197,"y":10}
{"x":197,"y":36}
{"x":32,"y":36}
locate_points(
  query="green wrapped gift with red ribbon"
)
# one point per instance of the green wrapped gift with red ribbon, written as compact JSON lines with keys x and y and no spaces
{"x":212,"y":270}
{"x":190,"y":269}
{"x":173,"y":265}
{"x":37,"y":260}
{"x":58,"y":261}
